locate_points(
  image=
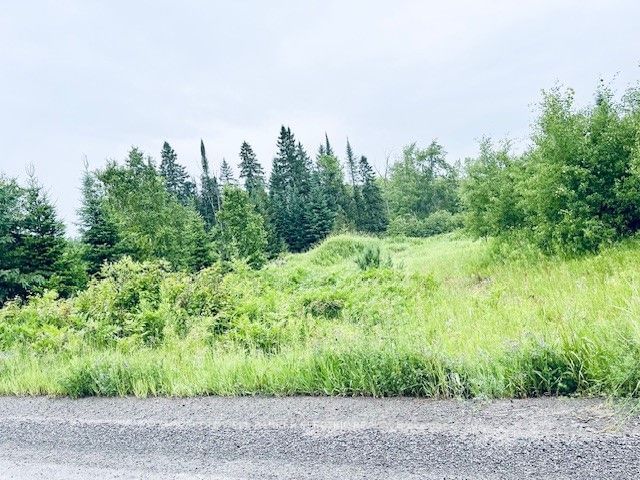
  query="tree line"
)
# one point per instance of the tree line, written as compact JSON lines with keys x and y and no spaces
{"x":148,"y":211}
{"x":575,"y":188}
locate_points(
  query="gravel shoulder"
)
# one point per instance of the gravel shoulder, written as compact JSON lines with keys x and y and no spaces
{"x":317,"y":437}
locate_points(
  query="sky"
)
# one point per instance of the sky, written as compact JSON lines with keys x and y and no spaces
{"x":89,"y":79}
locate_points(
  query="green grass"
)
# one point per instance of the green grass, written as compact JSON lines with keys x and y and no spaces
{"x":438,"y":317}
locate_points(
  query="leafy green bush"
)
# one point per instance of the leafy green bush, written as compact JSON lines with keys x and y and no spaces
{"x":44,"y":323}
{"x":441,"y":221}
{"x":575,"y":190}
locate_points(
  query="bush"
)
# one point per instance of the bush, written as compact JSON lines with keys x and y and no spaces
{"x":441,"y":221}
{"x":576,"y":189}
{"x":370,"y":258}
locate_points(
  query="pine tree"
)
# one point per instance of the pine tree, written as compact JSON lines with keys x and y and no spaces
{"x":352,"y":165}
{"x":251,"y":171}
{"x":226,"y":174}
{"x":331,"y":183}
{"x":301,"y":235}
{"x":373,"y":217}
{"x":39,"y":240}
{"x":327,"y":146}
{"x":11,"y":196}
{"x":280,"y":184}
{"x":289,"y":192}
{"x":98,"y":232}
{"x":209,"y":199}
{"x":320,"y":214}
{"x":175,"y":175}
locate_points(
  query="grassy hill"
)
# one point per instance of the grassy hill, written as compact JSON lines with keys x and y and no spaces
{"x":433,"y":317}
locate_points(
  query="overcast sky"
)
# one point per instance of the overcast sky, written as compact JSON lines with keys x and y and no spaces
{"x":93,"y":78}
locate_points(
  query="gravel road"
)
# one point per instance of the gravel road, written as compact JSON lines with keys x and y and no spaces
{"x":305,"y":437}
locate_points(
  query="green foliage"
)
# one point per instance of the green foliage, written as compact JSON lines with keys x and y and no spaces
{"x":372,"y":216}
{"x":152,"y":223}
{"x":490,"y":193}
{"x":226,"y":174}
{"x":575,"y":190}
{"x":175,"y":176}
{"x":71,"y":270}
{"x":240,"y":233}
{"x":98,"y":231}
{"x":372,"y":258}
{"x":290,"y":194}
{"x":421,"y":184}
{"x":209,"y":199}
{"x":33,"y":250}
{"x":441,"y":221}
{"x":445,"y":321}
{"x":330,"y":185}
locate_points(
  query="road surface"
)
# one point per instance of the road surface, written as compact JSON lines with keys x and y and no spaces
{"x":305,"y":437}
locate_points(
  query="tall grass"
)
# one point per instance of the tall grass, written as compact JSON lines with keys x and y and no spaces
{"x":443,"y":318}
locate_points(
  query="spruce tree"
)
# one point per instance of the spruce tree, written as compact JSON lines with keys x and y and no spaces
{"x":209,"y":198}
{"x":226,"y":174}
{"x":290,"y":192}
{"x":39,"y":239}
{"x":373,"y":216}
{"x":321,"y":215}
{"x":321,"y":151}
{"x":251,"y":171}
{"x":301,"y":234}
{"x":11,"y":201}
{"x":98,"y":232}
{"x":280,"y":184}
{"x":331,"y":182}
{"x":327,"y":146}
{"x":175,"y":175}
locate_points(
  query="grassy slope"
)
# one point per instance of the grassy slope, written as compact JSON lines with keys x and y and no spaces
{"x":444,"y":320}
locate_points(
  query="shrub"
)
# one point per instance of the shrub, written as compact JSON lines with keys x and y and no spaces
{"x":335,"y":249}
{"x":369,"y":258}
{"x":441,"y":221}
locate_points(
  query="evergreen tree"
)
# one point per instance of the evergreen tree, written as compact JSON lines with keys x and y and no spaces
{"x":11,"y":196}
{"x":352,"y":165}
{"x":41,"y":237}
{"x":321,"y":215}
{"x":175,"y":176}
{"x":373,"y":216}
{"x":38,"y":241}
{"x":354,"y":211}
{"x":331,"y":184}
{"x":209,"y":199}
{"x":98,"y":232}
{"x":226,"y":174}
{"x":327,"y":146}
{"x":251,"y":171}
{"x":280,"y":184}
{"x":290,"y":192}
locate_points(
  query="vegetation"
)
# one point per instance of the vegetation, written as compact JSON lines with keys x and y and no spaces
{"x":575,"y":190}
{"x":315,"y":280}
{"x":445,"y":318}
